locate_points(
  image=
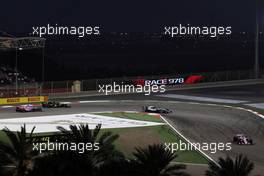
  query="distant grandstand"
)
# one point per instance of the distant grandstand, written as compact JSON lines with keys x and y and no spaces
{"x":12,"y":81}
{"x":8,"y":76}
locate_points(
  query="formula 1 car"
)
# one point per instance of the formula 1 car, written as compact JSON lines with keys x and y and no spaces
{"x":28,"y":108}
{"x":55,"y":104}
{"x":242,"y":139}
{"x":154,"y":109}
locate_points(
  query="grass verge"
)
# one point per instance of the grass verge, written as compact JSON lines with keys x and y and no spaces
{"x":130,"y":138}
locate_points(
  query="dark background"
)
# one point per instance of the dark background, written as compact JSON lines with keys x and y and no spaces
{"x":143,"y":51}
{"x":131,"y":16}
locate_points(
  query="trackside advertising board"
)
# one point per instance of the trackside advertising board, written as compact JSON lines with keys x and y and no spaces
{"x":20,"y":100}
{"x":170,"y":81}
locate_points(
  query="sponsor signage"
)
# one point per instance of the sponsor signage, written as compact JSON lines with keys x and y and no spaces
{"x":170,"y":81}
{"x":34,"y":99}
{"x":18,"y":100}
{"x":13,"y":100}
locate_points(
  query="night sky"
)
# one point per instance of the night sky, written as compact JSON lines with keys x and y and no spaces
{"x":131,"y":15}
{"x":18,"y":17}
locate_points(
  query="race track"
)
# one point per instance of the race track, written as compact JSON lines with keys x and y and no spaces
{"x":197,"y":122}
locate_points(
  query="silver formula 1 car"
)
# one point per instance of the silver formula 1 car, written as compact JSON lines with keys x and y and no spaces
{"x":154,"y":109}
{"x":55,"y":104}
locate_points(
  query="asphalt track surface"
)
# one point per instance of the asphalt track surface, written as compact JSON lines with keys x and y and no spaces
{"x":197,"y":122}
{"x":253,"y":93}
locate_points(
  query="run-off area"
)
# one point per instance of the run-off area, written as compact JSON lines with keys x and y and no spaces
{"x":135,"y":129}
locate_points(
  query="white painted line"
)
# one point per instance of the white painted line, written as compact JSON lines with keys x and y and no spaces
{"x":66,"y":102}
{"x":257,"y":105}
{"x":100,"y":112}
{"x":49,"y":123}
{"x":197,"y":103}
{"x":207,"y":99}
{"x":7,"y":107}
{"x":225,"y":106}
{"x":96,"y":101}
{"x":232,"y":107}
{"x":131,"y":111}
{"x":251,"y":111}
{"x":153,"y":114}
{"x":221,"y":105}
{"x":187,"y":140}
{"x":193,"y":102}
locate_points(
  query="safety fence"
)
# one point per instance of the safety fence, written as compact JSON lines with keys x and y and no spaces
{"x":54,"y":87}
